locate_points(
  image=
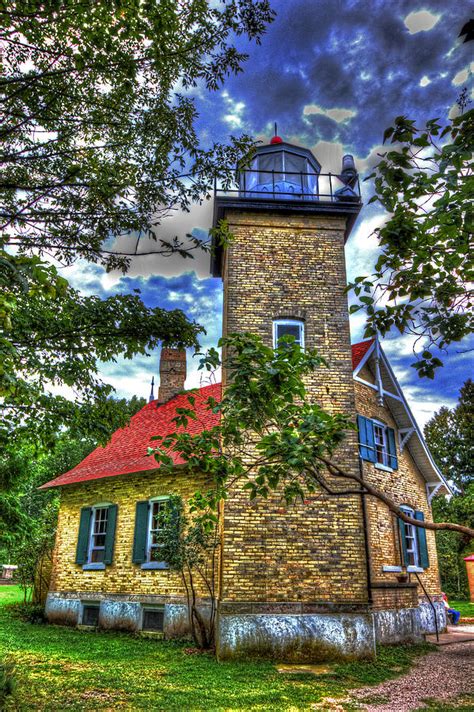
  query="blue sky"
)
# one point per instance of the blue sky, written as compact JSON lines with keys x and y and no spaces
{"x":333,"y":75}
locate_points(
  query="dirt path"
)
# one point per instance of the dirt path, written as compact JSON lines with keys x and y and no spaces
{"x":443,"y":675}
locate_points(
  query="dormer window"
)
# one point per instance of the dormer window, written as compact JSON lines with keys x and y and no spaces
{"x":288,"y":327}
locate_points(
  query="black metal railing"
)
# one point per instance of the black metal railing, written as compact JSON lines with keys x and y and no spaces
{"x":290,"y":185}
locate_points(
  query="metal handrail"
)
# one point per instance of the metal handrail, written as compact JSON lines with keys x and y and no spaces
{"x":431,"y":604}
{"x":241,"y":185}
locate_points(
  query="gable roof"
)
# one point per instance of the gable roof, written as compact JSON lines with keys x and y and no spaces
{"x":359,"y":351}
{"x":126,"y":451}
{"x":387,"y":385}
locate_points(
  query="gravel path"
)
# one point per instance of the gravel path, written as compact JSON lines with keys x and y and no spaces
{"x":443,"y":675}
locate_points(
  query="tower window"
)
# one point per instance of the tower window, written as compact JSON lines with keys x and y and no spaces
{"x":288,"y":327}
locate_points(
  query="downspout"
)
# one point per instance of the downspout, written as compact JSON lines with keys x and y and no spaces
{"x":368,"y":564}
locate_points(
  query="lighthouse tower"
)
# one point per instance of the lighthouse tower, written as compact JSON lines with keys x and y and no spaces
{"x":284,"y":273}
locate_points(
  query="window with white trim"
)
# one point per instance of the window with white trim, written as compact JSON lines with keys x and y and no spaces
{"x":377,"y":443}
{"x":288,"y":327}
{"x":411,"y":541}
{"x":381,"y":444}
{"x":155,"y":527}
{"x":98,"y":534}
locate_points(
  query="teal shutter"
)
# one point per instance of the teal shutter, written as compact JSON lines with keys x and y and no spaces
{"x":83,"y":537}
{"x":422,"y":545}
{"x":110,"y":533}
{"x":392,"y":449}
{"x":366,"y":438}
{"x":141,"y":532}
{"x":403,"y":542}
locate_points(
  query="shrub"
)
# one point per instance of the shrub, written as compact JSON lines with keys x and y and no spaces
{"x":28,"y":612}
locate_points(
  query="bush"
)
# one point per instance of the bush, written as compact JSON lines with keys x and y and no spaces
{"x":7,"y":682}
{"x":28,"y":612}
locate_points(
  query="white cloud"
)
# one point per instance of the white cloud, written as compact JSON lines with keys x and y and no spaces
{"x":235,"y":109}
{"x":338,"y":115}
{"x":421,"y":21}
{"x":463,"y":76}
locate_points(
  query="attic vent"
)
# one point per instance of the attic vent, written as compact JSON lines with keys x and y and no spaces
{"x":90,"y":615}
{"x":153,"y":619}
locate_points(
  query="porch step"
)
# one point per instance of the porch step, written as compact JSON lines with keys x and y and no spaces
{"x":454,"y":634}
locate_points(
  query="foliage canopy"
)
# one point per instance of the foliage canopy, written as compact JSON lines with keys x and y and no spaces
{"x":98,"y":145}
{"x":422,"y":283}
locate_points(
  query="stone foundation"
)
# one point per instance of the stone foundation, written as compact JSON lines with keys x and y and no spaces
{"x":118,"y":612}
{"x":281,"y":635}
{"x":323,"y":636}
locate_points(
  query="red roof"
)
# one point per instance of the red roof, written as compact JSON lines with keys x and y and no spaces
{"x":125,"y":453}
{"x":359,"y":350}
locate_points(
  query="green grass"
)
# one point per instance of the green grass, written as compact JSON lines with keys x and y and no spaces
{"x":466,"y":608}
{"x":58,"y":668}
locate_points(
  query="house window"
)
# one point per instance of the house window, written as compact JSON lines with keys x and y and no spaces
{"x":147,"y":549}
{"x":381,"y":444}
{"x":411,"y":543}
{"x":95,"y":542}
{"x":377,"y":443}
{"x":155,"y":528}
{"x":288,"y":327}
{"x":97,"y":535}
{"x":414,"y":548}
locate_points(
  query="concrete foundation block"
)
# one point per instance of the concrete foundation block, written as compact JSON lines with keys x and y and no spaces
{"x":296,"y":638}
{"x":120,"y":615}
{"x":62,"y":611}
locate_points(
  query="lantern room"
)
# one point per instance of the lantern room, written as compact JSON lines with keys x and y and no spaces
{"x":281,"y":170}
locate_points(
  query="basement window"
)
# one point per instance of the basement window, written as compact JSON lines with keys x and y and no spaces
{"x":90,"y":614}
{"x":153,"y":619}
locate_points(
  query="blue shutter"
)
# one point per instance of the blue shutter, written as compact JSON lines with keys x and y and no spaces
{"x":110,"y":533}
{"x":366,"y":438}
{"x":422,"y":545}
{"x":403,"y":542}
{"x":141,"y":533}
{"x":392,"y":449}
{"x":83,"y":537}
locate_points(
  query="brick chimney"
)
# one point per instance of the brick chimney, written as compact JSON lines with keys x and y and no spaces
{"x":172,"y":373}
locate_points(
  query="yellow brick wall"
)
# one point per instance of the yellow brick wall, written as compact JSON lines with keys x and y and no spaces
{"x":122,"y":576}
{"x":293,"y":266}
{"x":406,"y":486}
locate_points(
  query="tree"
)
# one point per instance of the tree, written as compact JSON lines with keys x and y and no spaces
{"x":98,"y":146}
{"x":28,"y":514}
{"x":191,"y":549}
{"x":450,"y":437}
{"x":271,"y":436}
{"x":62,"y":341}
{"x":454,"y":547}
{"x":422,"y":283}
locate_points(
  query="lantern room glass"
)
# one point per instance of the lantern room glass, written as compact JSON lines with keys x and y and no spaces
{"x":279,"y":173}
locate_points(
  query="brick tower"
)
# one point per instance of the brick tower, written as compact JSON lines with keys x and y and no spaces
{"x":285,"y":273}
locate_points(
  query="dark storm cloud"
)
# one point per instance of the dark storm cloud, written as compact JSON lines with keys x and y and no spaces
{"x":357,"y":55}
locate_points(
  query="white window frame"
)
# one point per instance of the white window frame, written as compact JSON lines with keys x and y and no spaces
{"x":92,"y":547}
{"x":385,"y":453}
{"x":291,"y":322}
{"x":409,"y":532}
{"x":149,"y":545}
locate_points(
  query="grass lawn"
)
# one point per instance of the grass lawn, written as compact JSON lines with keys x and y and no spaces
{"x":59,"y":668}
{"x":466,"y":608}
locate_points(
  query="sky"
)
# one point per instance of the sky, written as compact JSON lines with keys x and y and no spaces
{"x":333,"y":74}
